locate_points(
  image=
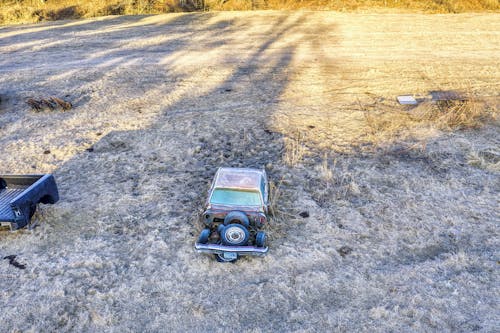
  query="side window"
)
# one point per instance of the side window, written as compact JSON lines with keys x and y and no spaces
{"x":263,"y":188}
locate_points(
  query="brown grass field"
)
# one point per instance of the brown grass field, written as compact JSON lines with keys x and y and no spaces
{"x":403,"y":201}
{"x":29,"y":11}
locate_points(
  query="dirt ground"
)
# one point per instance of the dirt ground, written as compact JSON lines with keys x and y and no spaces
{"x":402,"y":233}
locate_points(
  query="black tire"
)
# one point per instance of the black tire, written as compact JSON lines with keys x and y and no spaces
{"x":204,"y":235}
{"x":234,"y":235}
{"x":260,"y":239}
{"x":237,"y":217}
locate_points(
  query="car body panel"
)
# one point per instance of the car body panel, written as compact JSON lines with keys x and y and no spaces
{"x":239,"y":179}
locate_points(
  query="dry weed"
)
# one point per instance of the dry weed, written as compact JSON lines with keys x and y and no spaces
{"x":332,"y":182}
{"x":295,"y":149}
{"x":454,"y":114}
{"x":51,"y":103}
{"x":279,"y":215}
{"x":488,"y":159}
{"x":325,"y":171}
{"x":274,"y":196}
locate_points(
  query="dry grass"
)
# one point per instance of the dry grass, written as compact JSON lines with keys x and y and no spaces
{"x":333,"y":181}
{"x":397,"y":242}
{"x":29,"y":11}
{"x":376,"y":124}
{"x":387,"y":123}
{"x":454,"y":114}
{"x":435,"y":6}
{"x":295,"y":148}
{"x":51,"y":103}
{"x":277,"y":213}
{"x":488,"y":159}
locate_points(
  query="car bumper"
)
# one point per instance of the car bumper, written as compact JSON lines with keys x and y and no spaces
{"x":240,"y":250}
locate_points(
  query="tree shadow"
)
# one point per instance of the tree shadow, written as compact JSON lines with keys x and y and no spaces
{"x":201,"y":117}
{"x":54,"y":65}
{"x":133,"y":176}
{"x":207,"y":125}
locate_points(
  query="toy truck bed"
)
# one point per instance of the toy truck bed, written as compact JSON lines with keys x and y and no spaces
{"x":19,"y":196}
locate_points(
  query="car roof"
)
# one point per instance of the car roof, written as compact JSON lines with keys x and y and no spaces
{"x":239,"y":178}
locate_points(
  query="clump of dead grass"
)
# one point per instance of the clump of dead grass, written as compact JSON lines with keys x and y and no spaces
{"x":488,"y":159}
{"x":333,"y":182}
{"x":454,"y":114}
{"x":51,"y":103}
{"x":274,"y":197}
{"x":390,"y":122}
{"x":278,"y":212}
{"x":295,"y":149}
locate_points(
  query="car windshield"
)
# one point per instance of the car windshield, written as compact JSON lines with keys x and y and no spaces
{"x":223,"y":196}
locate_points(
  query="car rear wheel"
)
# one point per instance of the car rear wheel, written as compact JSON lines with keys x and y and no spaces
{"x":260,"y":239}
{"x":204,"y":235}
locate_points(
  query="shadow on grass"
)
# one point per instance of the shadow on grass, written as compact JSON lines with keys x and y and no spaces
{"x":208,"y":116}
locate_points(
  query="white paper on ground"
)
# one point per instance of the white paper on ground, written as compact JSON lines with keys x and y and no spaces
{"x":407,"y":100}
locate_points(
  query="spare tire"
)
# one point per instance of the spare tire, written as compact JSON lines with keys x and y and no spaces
{"x":235,"y":235}
{"x":237,"y":217}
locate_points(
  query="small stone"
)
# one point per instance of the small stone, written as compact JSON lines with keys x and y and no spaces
{"x":344,"y":250}
{"x":304,"y":214}
{"x":197,"y":149}
{"x":46,"y":152}
{"x":269,"y":166}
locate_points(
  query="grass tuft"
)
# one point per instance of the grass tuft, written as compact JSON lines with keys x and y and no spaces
{"x":295,"y":149}
{"x":454,"y":114}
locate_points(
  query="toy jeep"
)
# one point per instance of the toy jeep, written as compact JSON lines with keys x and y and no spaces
{"x":235,"y":210}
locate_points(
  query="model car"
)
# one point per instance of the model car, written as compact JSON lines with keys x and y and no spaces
{"x":235,"y":211}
